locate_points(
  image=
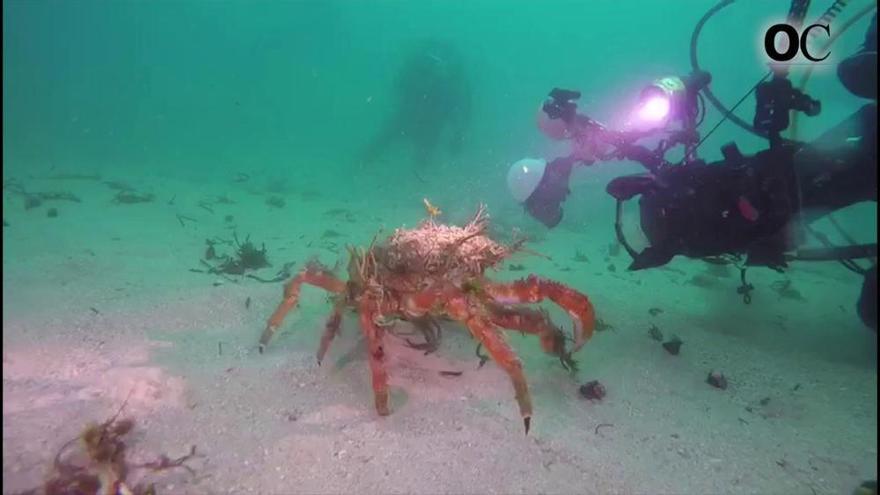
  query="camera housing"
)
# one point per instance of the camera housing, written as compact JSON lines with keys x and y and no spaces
{"x":699,"y":210}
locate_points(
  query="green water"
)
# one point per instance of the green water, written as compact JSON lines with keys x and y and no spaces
{"x":257,"y":99}
{"x":210,"y":89}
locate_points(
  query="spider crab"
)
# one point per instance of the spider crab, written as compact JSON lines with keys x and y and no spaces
{"x":438,"y":271}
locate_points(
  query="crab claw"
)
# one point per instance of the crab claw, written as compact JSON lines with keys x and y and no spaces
{"x":534,"y":289}
{"x":577,"y":306}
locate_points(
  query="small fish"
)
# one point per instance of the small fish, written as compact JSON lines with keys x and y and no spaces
{"x":747,"y":210}
{"x":433,"y":211}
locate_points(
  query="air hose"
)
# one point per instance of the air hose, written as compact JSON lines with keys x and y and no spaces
{"x":695,"y":66}
{"x":829,"y":14}
{"x":797,"y":12}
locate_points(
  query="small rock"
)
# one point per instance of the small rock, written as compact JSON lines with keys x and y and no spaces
{"x":592,"y":390}
{"x":717,"y":380}
{"x":52,"y":212}
{"x":673,"y":345}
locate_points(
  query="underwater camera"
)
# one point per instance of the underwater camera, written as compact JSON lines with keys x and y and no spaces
{"x":750,"y":207}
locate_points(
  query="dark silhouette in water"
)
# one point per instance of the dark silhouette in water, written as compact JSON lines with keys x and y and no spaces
{"x":431,"y":104}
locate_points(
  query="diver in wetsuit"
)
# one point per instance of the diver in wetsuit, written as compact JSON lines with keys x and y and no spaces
{"x":681,"y":213}
{"x":432,"y":104}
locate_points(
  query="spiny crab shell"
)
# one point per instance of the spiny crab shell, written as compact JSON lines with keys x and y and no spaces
{"x":434,"y":253}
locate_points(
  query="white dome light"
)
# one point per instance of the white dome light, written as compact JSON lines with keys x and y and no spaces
{"x":524,"y":176}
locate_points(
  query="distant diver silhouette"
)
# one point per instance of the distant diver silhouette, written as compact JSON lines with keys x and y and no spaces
{"x":431,"y":104}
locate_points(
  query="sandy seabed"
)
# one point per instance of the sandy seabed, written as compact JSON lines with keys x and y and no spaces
{"x":100,"y":305}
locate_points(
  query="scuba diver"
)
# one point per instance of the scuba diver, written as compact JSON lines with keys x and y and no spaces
{"x":756,"y":207}
{"x":432,"y":102}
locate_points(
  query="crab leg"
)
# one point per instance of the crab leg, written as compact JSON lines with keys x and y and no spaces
{"x":313,"y":274}
{"x":374,"y":334}
{"x":534,"y":289}
{"x":533,"y":322}
{"x":331,"y":330}
{"x":491,"y":337}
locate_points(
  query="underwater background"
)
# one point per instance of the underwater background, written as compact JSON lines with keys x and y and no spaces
{"x":140,"y":136}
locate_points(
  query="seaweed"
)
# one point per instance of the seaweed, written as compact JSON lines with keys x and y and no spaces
{"x":342,"y":214}
{"x":275,"y":202}
{"x":32,"y":201}
{"x":330,"y":246}
{"x":210,"y":252}
{"x":94,"y":177}
{"x":131,"y":197}
{"x":430,"y":330}
{"x":580,"y":257}
{"x":277,"y":185}
{"x":246,"y":257}
{"x":95,"y":462}
{"x":602,"y":325}
{"x":183,"y":219}
{"x":58,"y":196}
{"x":36,"y":199}
{"x":119,"y":186}
{"x":310,"y":194}
{"x":13,"y":186}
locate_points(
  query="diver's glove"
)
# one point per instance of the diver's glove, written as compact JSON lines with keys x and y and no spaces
{"x":858,"y":73}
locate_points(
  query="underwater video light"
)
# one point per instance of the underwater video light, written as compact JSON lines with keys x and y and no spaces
{"x":659,"y":102}
{"x":655,"y":109}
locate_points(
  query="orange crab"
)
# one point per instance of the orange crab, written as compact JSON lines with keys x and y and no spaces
{"x":433,"y":271}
